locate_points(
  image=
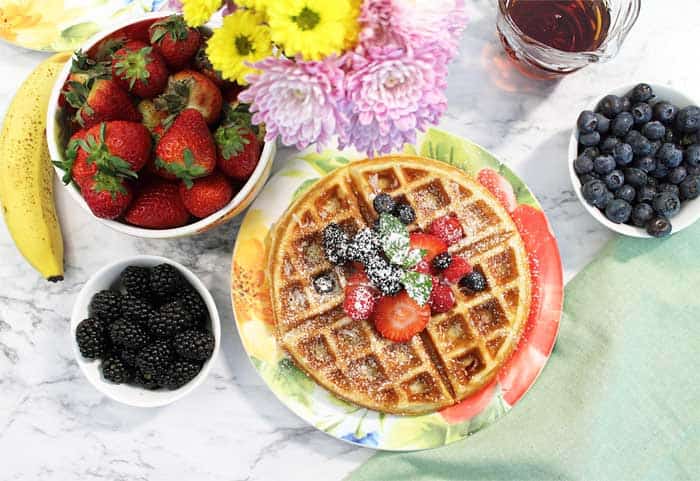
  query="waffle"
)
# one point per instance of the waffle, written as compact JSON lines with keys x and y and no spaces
{"x":460,"y":351}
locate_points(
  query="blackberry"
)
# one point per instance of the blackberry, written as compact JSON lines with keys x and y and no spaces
{"x":144,"y":382}
{"x":364,"y":246}
{"x":405,"y":213}
{"x":384,"y":204}
{"x":114,"y":370}
{"x":442,"y":261}
{"x":129,"y":358}
{"x":474,"y":281}
{"x":384,"y":276}
{"x":194,"y":345}
{"x":194,"y":304}
{"x":135,"y":309}
{"x":128,"y":334}
{"x":91,"y":336}
{"x":137,"y":281}
{"x":179,"y":374}
{"x":166,"y":280}
{"x":170,"y":319}
{"x":107,"y":305}
{"x":335,"y":244}
{"x":154,"y":360}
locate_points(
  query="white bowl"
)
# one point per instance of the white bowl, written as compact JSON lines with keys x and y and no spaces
{"x":690,"y":211}
{"x":107,"y":278}
{"x":237,"y":205}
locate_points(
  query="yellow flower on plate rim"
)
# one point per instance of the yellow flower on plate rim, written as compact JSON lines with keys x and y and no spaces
{"x":241,"y":40}
{"x":313,"y":28}
{"x":198,"y":12}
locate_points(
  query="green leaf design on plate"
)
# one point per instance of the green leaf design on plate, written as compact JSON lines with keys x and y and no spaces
{"x":306,"y":185}
{"x":325,"y":161}
{"x":417,"y":432}
{"x":522,"y":193}
{"x":288,"y":381}
{"x":294,"y":173}
{"x":439,"y":145}
{"x":74,"y":35}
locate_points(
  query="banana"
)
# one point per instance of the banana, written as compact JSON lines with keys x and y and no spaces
{"x":26,"y":174}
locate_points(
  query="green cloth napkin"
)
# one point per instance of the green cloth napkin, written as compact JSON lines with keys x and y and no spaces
{"x":620,"y":397}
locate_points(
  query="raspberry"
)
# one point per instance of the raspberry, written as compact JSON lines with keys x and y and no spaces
{"x":446,"y":228}
{"x":457,"y":269}
{"x":359,"y":302}
{"x":441,"y":298}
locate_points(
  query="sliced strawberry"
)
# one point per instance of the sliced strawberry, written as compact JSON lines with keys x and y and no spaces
{"x":433,"y":245}
{"x":442,"y":299}
{"x":447,"y":228}
{"x":459,"y":267}
{"x":399,"y":317}
{"x":359,"y":301}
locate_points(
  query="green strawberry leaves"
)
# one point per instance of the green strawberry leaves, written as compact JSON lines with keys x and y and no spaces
{"x":189,"y":170}
{"x":133,"y":66}
{"x":231,"y":140}
{"x":107,"y":163}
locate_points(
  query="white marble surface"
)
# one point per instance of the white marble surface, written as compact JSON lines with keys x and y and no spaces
{"x":55,"y":426}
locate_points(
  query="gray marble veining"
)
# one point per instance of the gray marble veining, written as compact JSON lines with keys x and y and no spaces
{"x":55,"y":426}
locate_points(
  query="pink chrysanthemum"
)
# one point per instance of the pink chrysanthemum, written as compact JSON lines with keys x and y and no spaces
{"x":388,"y":97}
{"x":299,"y":101}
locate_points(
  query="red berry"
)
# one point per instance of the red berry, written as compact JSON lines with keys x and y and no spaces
{"x":457,"y":269}
{"x":424,"y":267}
{"x":399,"y":318}
{"x":447,"y":228}
{"x":359,"y":302}
{"x":433,"y":245}
{"x":441,"y":298}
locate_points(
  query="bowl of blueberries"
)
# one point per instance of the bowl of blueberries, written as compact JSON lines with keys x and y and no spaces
{"x":634,"y":160}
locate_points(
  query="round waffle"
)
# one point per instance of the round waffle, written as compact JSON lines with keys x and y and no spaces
{"x":460,"y":351}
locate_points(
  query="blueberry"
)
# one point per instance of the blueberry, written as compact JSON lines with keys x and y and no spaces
{"x":645,"y":194}
{"x":632,"y":136}
{"x":592,"y":152}
{"x":442,"y":261}
{"x":659,"y":226}
{"x":635,"y":177}
{"x":626,"y":192}
{"x":384,"y":204}
{"x":609,"y":197}
{"x":653,"y":130}
{"x":614,"y":180}
{"x":690,"y":187}
{"x":660,"y":172}
{"x":646,"y":163}
{"x":622,"y":124}
{"x":604,"y":164}
{"x":618,"y":211}
{"x":670,"y":156}
{"x":610,"y":106}
{"x":474,"y":281}
{"x":324,"y":283}
{"x":664,"y":112}
{"x":667,"y":204}
{"x":587,"y":122}
{"x":589,"y":140}
{"x":583,"y":164}
{"x":652,"y":182}
{"x":670,"y":188}
{"x":693,"y":169}
{"x":688,"y":119}
{"x":692,"y":155}
{"x":405,"y":213}
{"x":594,"y":192}
{"x":655,"y":146}
{"x":641,"y":113}
{"x":641,"y":214}
{"x":640,"y":146}
{"x":677,"y":175}
{"x":588,"y":177}
{"x":603,"y":124}
{"x":623,"y":154}
{"x":608,"y":145}
{"x":626,"y":104}
{"x":641,"y":93}
{"x":669,"y":137}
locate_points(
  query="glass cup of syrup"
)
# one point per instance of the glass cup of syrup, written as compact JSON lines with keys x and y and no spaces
{"x":550,"y":38}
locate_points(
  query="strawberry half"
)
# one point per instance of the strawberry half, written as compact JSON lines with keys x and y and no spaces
{"x":433,"y":245}
{"x":140,"y":70}
{"x":399,"y":317}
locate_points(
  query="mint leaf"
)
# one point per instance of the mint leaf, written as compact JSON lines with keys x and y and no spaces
{"x":413,"y":257}
{"x":394,"y":238}
{"x":418,"y":286}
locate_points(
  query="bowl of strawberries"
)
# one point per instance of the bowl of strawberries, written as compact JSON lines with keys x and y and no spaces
{"x":148,"y":137}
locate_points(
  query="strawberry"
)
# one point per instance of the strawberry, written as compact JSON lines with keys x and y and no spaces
{"x":153,"y":118}
{"x":83,"y":70}
{"x":358,"y":277}
{"x":207,"y":195}
{"x":190,"y":89}
{"x":399,"y":318}
{"x":433,"y":245}
{"x":175,"y":41}
{"x":107,"y":196}
{"x":104,"y":100}
{"x":158,"y":206}
{"x":187,"y":150}
{"x":238,"y":151}
{"x":140,"y":70}
{"x":359,"y":301}
{"x":458,"y":268}
{"x":446,"y":228}
{"x":424,"y":267}
{"x":442,"y":299}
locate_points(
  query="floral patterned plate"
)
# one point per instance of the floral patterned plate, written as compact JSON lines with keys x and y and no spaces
{"x":58,"y":25}
{"x":320,"y":408}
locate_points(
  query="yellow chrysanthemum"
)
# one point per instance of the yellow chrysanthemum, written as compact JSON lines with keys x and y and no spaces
{"x":242,"y":38}
{"x":198,"y":12}
{"x":313,"y":28}
{"x":259,"y":5}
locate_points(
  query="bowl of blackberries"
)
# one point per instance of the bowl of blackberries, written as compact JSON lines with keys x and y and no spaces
{"x":146,"y":331}
{"x":634,"y":160}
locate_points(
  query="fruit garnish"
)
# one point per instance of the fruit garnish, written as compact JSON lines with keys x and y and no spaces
{"x":335,"y":244}
{"x":399,"y":318}
{"x":359,"y":301}
{"x":405,"y":213}
{"x":474,"y":281}
{"x":442,"y":298}
{"x":395,"y":242}
{"x":423,"y":267}
{"x":457,"y":269}
{"x":383,"y":203}
{"x":324,"y":283}
{"x":446,"y":228}
{"x":175,"y":41}
{"x":431,"y":244}
{"x":441,"y":261}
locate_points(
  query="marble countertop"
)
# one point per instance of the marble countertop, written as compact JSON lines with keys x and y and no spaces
{"x":55,"y":426}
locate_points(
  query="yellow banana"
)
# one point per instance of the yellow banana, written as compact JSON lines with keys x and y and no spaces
{"x":26,"y":174}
